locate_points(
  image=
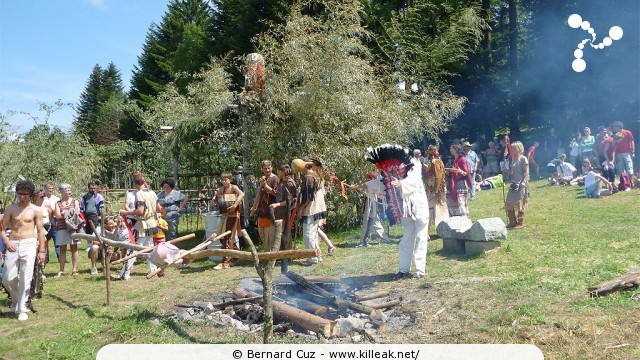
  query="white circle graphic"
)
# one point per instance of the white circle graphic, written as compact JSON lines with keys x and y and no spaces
{"x":615,"y":33}
{"x":575,"y":20}
{"x":578,"y":54}
{"x":580,"y":46}
{"x":585,"y":25}
{"x":590,"y":31}
{"x":601,"y":46}
{"x":578,"y":65}
{"x":607,"y":41}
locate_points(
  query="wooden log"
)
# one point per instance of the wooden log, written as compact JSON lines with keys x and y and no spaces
{"x":202,"y":245}
{"x":116,"y":244}
{"x":386,"y":305}
{"x":264,"y":256}
{"x":148,"y":250}
{"x":341,"y":304}
{"x":376,"y":295}
{"x":301,"y":318}
{"x":626,"y":281}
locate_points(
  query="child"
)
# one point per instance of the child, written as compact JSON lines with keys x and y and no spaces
{"x":121,"y":233}
{"x":163,"y":227}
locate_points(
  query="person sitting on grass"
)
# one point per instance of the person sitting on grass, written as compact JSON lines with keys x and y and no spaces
{"x":553,"y":169}
{"x":593,"y":185}
{"x":566,"y":171}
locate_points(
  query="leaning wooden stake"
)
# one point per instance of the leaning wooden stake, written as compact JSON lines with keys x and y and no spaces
{"x":263,"y":256}
{"x":105,"y":264}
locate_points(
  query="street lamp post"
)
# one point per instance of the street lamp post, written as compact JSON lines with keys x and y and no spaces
{"x":175,"y":153}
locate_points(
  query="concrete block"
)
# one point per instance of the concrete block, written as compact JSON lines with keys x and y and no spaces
{"x":454,"y":227}
{"x":473,"y":248}
{"x":487,"y":230}
{"x":453,"y":246}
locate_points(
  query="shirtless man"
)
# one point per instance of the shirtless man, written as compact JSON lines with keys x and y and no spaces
{"x":22,"y":218}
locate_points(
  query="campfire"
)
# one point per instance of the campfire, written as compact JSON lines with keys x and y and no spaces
{"x":326,"y":307}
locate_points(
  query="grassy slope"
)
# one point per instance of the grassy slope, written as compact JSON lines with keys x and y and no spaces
{"x":530,"y":290}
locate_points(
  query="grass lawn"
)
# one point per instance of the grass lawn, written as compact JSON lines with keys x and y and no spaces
{"x":531,"y":290}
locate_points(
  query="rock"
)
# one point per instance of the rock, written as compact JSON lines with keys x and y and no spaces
{"x":487,"y":230}
{"x":183,"y":315}
{"x":347,"y":326}
{"x":155,"y":321}
{"x":356,"y":339}
{"x":453,"y":246}
{"x":473,"y":248}
{"x":454,"y":227}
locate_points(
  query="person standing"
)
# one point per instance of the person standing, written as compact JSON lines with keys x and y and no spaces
{"x":173,"y":202}
{"x":229,"y":198}
{"x":607,"y":151}
{"x":23,"y":248}
{"x":313,"y":208}
{"x":436,"y":187}
{"x":415,"y":224}
{"x":92,"y":205}
{"x":286,"y":194}
{"x":625,"y":149}
{"x":518,"y":195}
{"x":473,"y":160}
{"x":373,"y":202}
{"x":531,"y":157}
{"x":51,"y":200}
{"x":491,"y":168}
{"x":66,"y":207}
{"x":586,"y":146}
{"x":146,"y":213}
{"x":459,"y":183}
{"x":265,"y":196}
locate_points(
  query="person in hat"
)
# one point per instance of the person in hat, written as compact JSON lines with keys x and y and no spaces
{"x":473,"y":161}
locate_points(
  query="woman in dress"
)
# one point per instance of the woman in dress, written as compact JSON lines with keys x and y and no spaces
{"x":173,"y":202}
{"x":63,"y":237}
{"x":518,"y":195}
{"x":459,"y":183}
{"x":491,"y":168}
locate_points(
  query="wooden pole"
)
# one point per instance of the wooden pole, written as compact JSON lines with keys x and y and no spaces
{"x":263,"y":256}
{"x":372,"y":296}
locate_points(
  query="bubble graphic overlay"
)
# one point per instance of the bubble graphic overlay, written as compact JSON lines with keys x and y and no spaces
{"x":575,"y":21}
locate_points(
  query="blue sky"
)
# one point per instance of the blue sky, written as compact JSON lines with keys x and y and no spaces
{"x":48,"y":49}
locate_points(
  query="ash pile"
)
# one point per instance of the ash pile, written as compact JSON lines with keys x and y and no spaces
{"x":315,"y":307}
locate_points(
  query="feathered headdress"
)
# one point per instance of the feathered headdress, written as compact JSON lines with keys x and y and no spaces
{"x":394,"y":162}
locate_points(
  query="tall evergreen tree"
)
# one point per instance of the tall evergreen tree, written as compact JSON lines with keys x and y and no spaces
{"x":173,"y":51}
{"x":87,"y":110}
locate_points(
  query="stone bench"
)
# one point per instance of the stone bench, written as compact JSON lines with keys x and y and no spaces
{"x":461,"y":236}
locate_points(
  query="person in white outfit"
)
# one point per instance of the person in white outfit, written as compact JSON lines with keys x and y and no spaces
{"x":24,"y":219}
{"x":415,"y":224}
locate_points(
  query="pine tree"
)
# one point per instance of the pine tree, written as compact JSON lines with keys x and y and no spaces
{"x":87,"y":110}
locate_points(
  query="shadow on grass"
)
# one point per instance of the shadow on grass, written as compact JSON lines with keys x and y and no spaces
{"x":177,"y":329}
{"x":84,"y":308}
{"x":453,"y":256}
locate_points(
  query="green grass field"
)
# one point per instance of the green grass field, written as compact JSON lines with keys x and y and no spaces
{"x":531,"y":290}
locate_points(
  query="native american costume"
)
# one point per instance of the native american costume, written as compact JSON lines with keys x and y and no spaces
{"x":407,"y":202}
{"x":518,"y":195}
{"x":373,"y":204}
{"x":436,"y":187}
{"x":459,"y":188}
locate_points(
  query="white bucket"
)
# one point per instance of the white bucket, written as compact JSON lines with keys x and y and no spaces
{"x":211,"y":222}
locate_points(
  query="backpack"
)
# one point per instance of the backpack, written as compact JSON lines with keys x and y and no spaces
{"x":74,"y":220}
{"x":625,"y":182}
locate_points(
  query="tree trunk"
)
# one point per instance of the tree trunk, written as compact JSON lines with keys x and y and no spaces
{"x":514,"y":118}
{"x":626,"y":281}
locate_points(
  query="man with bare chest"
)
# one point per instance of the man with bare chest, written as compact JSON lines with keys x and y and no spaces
{"x":23,"y":218}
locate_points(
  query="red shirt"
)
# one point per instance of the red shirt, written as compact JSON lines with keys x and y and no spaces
{"x":624,"y":144}
{"x":609,"y":154}
{"x":532,"y":152}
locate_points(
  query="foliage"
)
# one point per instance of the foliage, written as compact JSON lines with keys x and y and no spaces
{"x":46,"y":153}
{"x":324,"y":96}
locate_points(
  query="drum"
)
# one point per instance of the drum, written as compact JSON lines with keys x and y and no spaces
{"x":224,"y":202}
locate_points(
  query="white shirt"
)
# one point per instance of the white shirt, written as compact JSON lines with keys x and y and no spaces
{"x":566,"y":170}
{"x":51,"y":201}
{"x":590,"y":179}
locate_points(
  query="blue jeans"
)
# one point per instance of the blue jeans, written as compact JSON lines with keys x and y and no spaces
{"x":624,"y":162}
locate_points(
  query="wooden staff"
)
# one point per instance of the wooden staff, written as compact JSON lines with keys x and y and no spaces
{"x":196,"y":248}
{"x":264,"y":256}
{"x":116,"y":244}
{"x":148,"y":250}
